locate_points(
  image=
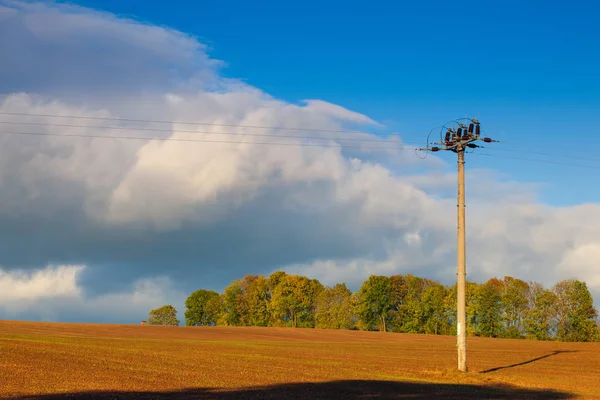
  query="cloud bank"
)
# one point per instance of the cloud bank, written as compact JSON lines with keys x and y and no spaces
{"x":105,"y":229}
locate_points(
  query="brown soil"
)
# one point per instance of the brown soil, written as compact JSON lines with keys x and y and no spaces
{"x":66,"y":361}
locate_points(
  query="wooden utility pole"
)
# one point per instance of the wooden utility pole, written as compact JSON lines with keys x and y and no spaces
{"x":458,"y":140}
{"x":461,"y":269}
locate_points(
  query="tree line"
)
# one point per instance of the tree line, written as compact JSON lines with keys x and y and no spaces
{"x":499,"y":308}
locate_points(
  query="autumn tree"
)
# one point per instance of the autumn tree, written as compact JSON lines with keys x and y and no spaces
{"x":274,"y":279}
{"x":199,"y":311}
{"x":334,"y":308}
{"x":434,"y":310}
{"x":414,"y":309}
{"x":402,"y":303}
{"x":489,"y":313}
{"x":214,"y":307}
{"x":540,"y":317}
{"x":398,"y":298}
{"x":576,"y":315}
{"x":450,"y":310}
{"x":375,"y":304}
{"x":165,"y":315}
{"x":253,"y":301}
{"x":293,"y":301}
{"x":473,"y":308}
{"x":514,"y":306}
{"x":230,"y":297}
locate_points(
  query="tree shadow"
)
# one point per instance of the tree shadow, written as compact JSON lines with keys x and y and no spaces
{"x":348,"y":390}
{"x":528,"y":361}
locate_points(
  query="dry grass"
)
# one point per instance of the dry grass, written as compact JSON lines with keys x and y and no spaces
{"x":44,"y":358}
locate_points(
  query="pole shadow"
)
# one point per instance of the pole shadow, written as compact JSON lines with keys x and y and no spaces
{"x":528,"y":361}
{"x":347,"y":390}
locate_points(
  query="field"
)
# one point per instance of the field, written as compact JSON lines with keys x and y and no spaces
{"x":69,"y":361}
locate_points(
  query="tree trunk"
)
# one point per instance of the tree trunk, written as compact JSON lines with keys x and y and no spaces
{"x":383,"y":323}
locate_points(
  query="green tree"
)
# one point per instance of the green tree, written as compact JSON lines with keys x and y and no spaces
{"x":436,"y":321}
{"x":165,"y":315}
{"x":274,"y":279}
{"x":197,"y":313}
{"x":293,"y":301}
{"x":473,"y":308}
{"x":576,"y":315}
{"x":450,"y":310}
{"x":398,"y":298}
{"x":253,"y":302}
{"x":334,"y":308}
{"x":214,"y":307}
{"x":540,"y":317}
{"x":514,"y":305}
{"x":231,"y":315}
{"x":489,"y":312}
{"x":414,"y":309}
{"x":375,"y":304}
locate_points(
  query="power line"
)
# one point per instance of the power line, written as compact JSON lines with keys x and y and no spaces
{"x":548,"y":154}
{"x":274,"y":136}
{"x":556,"y":147}
{"x":179,"y":122}
{"x":399,"y":145}
{"x":169,"y":139}
{"x":581,"y":149}
{"x":123,"y":128}
{"x":539,"y":161}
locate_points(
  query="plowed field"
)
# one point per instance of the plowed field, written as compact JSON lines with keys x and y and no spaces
{"x":68,"y":361}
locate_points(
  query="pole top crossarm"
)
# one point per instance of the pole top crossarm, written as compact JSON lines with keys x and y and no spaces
{"x":459,"y":137}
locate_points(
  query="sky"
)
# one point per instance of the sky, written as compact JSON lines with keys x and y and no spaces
{"x":104,"y":230}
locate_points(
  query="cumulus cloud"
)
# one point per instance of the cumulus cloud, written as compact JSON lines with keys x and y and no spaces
{"x":232,"y":195}
{"x":67,"y":49}
{"x":20,"y":286}
{"x":54,"y":294}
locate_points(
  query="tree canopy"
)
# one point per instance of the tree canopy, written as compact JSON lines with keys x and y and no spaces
{"x":507,"y":308}
{"x":165,"y":315}
{"x":203,"y":307}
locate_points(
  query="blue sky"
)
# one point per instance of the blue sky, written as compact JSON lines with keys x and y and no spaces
{"x":528,"y":69}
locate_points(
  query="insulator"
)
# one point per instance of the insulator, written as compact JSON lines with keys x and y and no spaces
{"x":435,"y":149}
{"x":466,"y":136}
{"x":447,"y":138}
{"x":459,"y":132}
{"x":455,"y":136}
{"x":488,"y":140}
{"x":471,"y":125}
{"x":477,"y":130}
{"x":472,"y":145}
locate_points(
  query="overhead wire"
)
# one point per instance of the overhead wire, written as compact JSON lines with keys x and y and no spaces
{"x":396,"y":144}
{"x":171,"y":139}
{"x":535,"y":160}
{"x":542,"y":154}
{"x":144,"y":129}
{"x":179,"y":122}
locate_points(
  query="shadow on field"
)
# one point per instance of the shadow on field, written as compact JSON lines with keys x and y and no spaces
{"x":349,"y":390}
{"x":529,"y":361}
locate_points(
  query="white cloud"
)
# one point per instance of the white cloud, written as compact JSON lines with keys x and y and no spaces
{"x":25,"y":286}
{"x":582,"y":261}
{"x":333,"y":110}
{"x":53,"y":293}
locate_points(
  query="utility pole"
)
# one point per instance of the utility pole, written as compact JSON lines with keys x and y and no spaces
{"x":458,"y":140}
